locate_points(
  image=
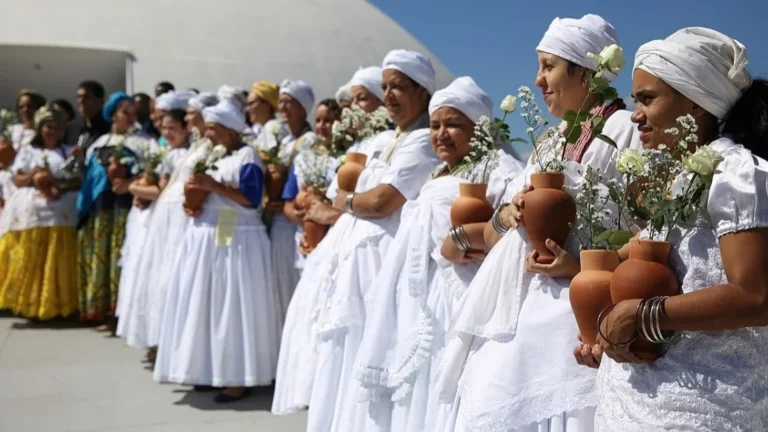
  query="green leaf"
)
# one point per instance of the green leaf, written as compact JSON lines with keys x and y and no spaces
{"x":597,"y":124}
{"x":604,"y":236}
{"x":518,"y":140}
{"x":574,"y":134}
{"x":619,"y":238}
{"x":607,"y":140}
{"x":570,"y":116}
{"x":610,"y":93}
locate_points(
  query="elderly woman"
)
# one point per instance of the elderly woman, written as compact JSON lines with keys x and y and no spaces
{"x":712,"y":377}
{"x":221,"y":325}
{"x":496,"y":370}
{"x":27,"y":103}
{"x":102,"y":210}
{"x":194,"y":118}
{"x":383,"y":188}
{"x":417,"y":287}
{"x":40,"y":282}
{"x":261,"y":107}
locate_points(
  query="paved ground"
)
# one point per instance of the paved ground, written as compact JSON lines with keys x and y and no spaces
{"x":72,"y":379}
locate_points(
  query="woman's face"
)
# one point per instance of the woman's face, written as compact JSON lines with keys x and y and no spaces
{"x":194,"y":120}
{"x":26,"y":109}
{"x":157,"y":118}
{"x":404,"y":99}
{"x":561,"y":91}
{"x":657,"y":108}
{"x":51,"y":133}
{"x":259,"y":111}
{"x":363,"y":98}
{"x":324,"y":119}
{"x":450,"y":132}
{"x":219,"y":134}
{"x":124,"y":117}
{"x":175,"y":134}
{"x":290,"y":109}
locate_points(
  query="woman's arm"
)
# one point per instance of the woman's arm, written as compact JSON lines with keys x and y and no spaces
{"x":322,"y":213}
{"x":207,"y":183}
{"x":380,"y":202}
{"x":23,"y":180}
{"x":510,"y":217}
{"x":292,"y":213}
{"x":163,"y":182}
{"x":478,"y":248}
{"x":144,"y":192}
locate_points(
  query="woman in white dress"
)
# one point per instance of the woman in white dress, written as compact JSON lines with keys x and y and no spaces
{"x":261,"y":108}
{"x":140,"y":313}
{"x":27,"y":103}
{"x":417,"y":287}
{"x":297,"y":361}
{"x":497,"y":370}
{"x":383,"y":188}
{"x":221,"y":326}
{"x":295,"y":103}
{"x":712,"y":376}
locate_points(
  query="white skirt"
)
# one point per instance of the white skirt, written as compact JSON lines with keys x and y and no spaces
{"x":581,"y":420}
{"x":220,"y":325}
{"x":142,"y":320}
{"x":283,"y":237}
{"x":130,"y":256}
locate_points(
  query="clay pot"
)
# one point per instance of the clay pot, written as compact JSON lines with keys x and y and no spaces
{"x":548,"y":213}
{"x":645,"y":274}
{"x":116,"y":171}
{"x":471,"y":205}
{"x":274,"y":183}
{"x":590,"y":290}
{"x":147,"y":180}
{"x":44,"y":182}
{"x":7,"y":153}
{"x":314,"y":233}
{"x":194,"y":198}
{"x":354,"y":164}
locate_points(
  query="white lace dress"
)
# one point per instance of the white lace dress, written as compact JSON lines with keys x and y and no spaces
{"x":705,"y":381}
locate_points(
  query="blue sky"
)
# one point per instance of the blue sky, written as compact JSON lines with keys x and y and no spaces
{"x":494,"y":41}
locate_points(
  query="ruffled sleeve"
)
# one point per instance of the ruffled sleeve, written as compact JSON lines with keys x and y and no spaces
{"x":738,"y":196}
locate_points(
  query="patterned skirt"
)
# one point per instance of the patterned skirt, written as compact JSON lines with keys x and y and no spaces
{"x":39,"y":267}
{"x":100,"y":241}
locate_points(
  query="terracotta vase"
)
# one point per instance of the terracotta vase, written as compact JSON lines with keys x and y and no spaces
{"x":116,"y":171}
{"x":44,"y":182}
{"x":7,"y":153}
{"x":147,"y":180}
{"x":314,"y":233}
{"x":194,"y":198}
{"x":274,"y":183}
{"x":548,"y":213}
{"x":590,"y":290}
{"x":471,"y":205}
{"x":354,"y":164}
{"x":645,"y":274}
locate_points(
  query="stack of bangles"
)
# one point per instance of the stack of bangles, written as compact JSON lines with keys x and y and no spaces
{"x":647,"y":322}
{"x":496,"y":221}
{"x":459,"y":237}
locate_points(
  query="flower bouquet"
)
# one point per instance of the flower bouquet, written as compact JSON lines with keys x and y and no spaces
{"x":193,"y":197}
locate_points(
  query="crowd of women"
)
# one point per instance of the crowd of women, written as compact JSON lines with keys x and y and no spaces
{"x":204,"y":243}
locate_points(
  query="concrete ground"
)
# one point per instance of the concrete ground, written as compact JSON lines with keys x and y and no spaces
{"x":66,"y":378}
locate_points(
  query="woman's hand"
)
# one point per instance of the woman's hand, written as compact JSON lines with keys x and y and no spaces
{"x":588,"y":355}
{"x":452,"y":253}
{"x":304,"y":248}
{"x":121,"y":186}
{"x":132,"y":189}
{"x":618,"y":326}
{"x":139,"y":203}
{"x":564,"y":265}
{"x":192,"y":213}
{"x":340,"y":202}
{"x":202,"y":182}
{"x":320,"y":212}
{"x":512,"y":216}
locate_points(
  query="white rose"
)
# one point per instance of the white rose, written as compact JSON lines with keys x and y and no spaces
{"x":632,"y":162}
{"x":276,"y":128}
{"x":218,"y":152}
{"x":509,"y":104}
{"x":613,"y":57}
{"x":703,"y":162}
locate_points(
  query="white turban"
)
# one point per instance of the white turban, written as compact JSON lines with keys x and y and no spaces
{"x":203,"y":100}
{"x":704,"y":65}
{"x":174,"y":100}
{"x":415,"y":65}
{"x":235,"y":95}
{"x":342,"y":94}
{"x":572,"y":39}
{"x":464,"y":95}
{"x":226,"y":114}
{"x":300,"y":91}
{"x":370,"y":78}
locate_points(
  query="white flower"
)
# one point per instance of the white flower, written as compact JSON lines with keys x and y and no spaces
{"x":276,"y":128}
{"x":509,"y":104}
{"x":217,"y":152}
{"x":125,"y":161}
{"x":703,"y":162}
{"x":672,"y":131}
{"x":631,"y":162}
{"x":613,"y":57}
{"x":529,"y":130}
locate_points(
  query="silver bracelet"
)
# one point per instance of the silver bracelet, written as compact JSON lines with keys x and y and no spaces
{"x":459,"y":238}
{"x":496,"y":223}
{"x":650,"y":311}
{"x":348,"y":203}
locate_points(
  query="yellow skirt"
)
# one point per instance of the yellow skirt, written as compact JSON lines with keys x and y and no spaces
{"x":40,"y":273}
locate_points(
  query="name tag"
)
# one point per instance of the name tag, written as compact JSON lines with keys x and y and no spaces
{"x":225,"y":226}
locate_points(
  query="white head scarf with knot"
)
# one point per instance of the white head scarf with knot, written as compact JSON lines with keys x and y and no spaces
{"x":203,"y":100}
{"x":704,"y":65}
{"x":174,"y":100}
{"x":370,"y":78}
{"x":342,"y":94}
{"x":226,"y":114}
{"x":464,"y":95}
{"x":235,"y":95}
{"x":416,"y":65}
{"x":572,"y":39}
{"x":300,"y":91}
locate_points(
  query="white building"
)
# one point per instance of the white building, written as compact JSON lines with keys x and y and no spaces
{"x":53,"y":45}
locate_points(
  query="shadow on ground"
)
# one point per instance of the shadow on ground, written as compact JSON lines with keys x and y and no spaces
{"x":259,"y":400}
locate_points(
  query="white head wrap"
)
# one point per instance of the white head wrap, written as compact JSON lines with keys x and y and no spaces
{"x":203,"y":100}
{"x":416,"y":65}
{"x":572,"y":39}
{"x":226,"y":114}
{"x":174,"y":100}
{"x":704,"y":65}
{"x":342,"y":94}
{"x":234,"y":95}
{"x":300,"y":91}
{"x":464,"y":95}
{"x":370,"y":78}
